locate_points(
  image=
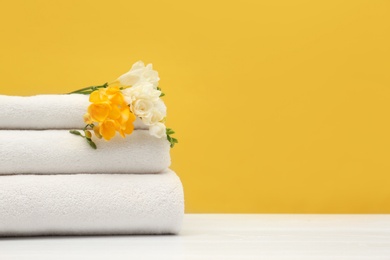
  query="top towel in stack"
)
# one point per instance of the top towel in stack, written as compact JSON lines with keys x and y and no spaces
{"x":47,"y":112}
{"x":54,"y":150}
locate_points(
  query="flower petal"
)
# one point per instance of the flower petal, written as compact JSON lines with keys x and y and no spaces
{"x":99,"y":111}
{"x":107,"y":129}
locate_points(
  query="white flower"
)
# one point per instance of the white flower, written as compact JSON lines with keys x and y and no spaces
{"x":144,"y":97}
{"x":140,"y":73}
{"x":142,"y":107}
{"x":141,"y":90}
{"x":158,"y":130}
{"x":153,"y":117}
{"x":159,"y":105}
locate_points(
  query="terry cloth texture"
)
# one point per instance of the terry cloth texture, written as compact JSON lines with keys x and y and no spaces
{"x":47,"y":112}
{"x":86,"y":204}
{"x":58,"y":152}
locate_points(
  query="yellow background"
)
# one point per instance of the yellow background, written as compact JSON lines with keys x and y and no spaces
{"x":279,"y":106}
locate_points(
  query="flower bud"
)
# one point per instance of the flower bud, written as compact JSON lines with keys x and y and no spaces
{"x":87,"y":118}
{"x":88,"y":134}
{"x":96,"y":130}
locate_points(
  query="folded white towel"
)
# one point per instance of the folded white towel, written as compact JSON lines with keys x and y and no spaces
{"x":82,"y":204}
{"x":47,"y":112}
{"x":58,"y":151}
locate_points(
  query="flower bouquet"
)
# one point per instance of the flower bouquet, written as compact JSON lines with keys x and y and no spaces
{"x":115,"y":106}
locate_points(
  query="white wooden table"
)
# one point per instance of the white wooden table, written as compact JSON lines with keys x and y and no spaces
{"x":226,"y":236}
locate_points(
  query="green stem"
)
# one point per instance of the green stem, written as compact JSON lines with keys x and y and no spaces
{"x":88,"y":90}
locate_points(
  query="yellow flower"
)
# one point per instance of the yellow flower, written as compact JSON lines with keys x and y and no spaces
{"x":99,"y":111}
{"x":127,"y":126}
{"x":98,"y":96}
{"x":107,"y":129}
{"x":110,"y":110}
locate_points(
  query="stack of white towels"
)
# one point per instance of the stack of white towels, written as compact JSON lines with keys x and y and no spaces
{"x":54,"y":183}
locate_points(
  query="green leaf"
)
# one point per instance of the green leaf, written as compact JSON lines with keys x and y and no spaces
{"x":162,"y":94}
{"x":171,"y":140}
{"x":170,"y":132}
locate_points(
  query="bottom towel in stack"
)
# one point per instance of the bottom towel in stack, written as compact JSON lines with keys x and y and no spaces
{"x":91,"y":204}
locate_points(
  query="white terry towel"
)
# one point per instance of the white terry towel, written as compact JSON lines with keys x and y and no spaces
{"x":47,"y":112}
{"x":82,"y":204}
{"x":58,"y":151}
